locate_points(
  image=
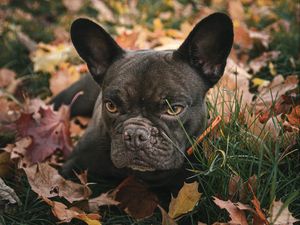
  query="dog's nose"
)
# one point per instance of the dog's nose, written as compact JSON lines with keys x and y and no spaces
{"x":136,"y":136}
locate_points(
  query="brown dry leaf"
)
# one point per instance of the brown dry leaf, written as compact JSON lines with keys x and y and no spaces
{"x":49,"y":133}
{"x":66,"y":75}
{"x":105,"y":13}
{"x":8,"y":194}
{"x":235,"y":211}
{"x":65,"y":215}
{"x":282,"y":106}
{"x":9,"y":112}
{"x":103,"y":199}
{"x":294,"y":116}
{"x":166,"y":219}
{"x":280,"y":214}
{"x":233,"y":87}
{"x":8,"y":80}
{"x":242,"y":35}
{"x":258,"y":63}
{"x":135,"y":198}
{"x":271,"y":93}
{"x":7,"y":76}
{"x":18,"y":151}
{"x":185,"y":201}
{"x":46,"y":182}
{"x":73,"y":5}
{"x":236,"y":10}
{"x":78,"y":125}
{"x":128,"y":40}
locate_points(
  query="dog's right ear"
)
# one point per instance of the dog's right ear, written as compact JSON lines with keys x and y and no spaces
{"x":95,"y":46}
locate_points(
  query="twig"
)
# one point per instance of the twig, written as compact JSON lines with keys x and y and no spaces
{"x":213,"y":125}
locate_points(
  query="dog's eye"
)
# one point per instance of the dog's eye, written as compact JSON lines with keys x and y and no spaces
{"x":111,"y":107}
{"x":174,"y":110}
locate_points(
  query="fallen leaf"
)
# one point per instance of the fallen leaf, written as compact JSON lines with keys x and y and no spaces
{"x":46,"y":182}
{"x":278,"y":87}
{"x":262,"y":61}
{"x":135,"y":198}
{"x":47,"y":57}
{"x":63,"y":77}
{"x":78,"y":126}
{"x":127,"y":40}
{"x":9,"y":112}
{"x":49,"y":133}
{"x":8,"y":194}
{"x":185,"y":201}
{"x":103,"y":199}
{"x":280,"y":214}
{"x":18,"y":151}
{"x":166,"y":219}
{"x":231,"y":91}
{"x":7,"y":77}
{"x":294,"y":116}
{"x":73,"y":5}
{"x":8,"y":80}
{"x":236,"y":213}
{"x":65,"y":214}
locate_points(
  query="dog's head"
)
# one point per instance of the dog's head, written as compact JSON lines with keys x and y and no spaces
{"x":151,"y":100}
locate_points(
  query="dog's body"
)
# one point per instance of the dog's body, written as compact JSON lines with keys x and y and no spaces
{"x":144,"y":96}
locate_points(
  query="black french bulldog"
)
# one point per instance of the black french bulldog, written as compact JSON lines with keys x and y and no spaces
{"x":136,"y":99}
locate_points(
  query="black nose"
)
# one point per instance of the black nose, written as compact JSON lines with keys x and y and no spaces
{"x":136,"y":136}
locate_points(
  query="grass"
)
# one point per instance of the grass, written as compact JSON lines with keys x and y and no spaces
{"x":234,"y":152}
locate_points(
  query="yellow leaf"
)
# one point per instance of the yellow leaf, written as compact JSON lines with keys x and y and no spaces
{"x":272,"y":69}
{"x":88,"y":220}
{"x":157,"y":24}
{"x":260,"y":82}
{"x":47,"y":57}
{"x":186,"y":200}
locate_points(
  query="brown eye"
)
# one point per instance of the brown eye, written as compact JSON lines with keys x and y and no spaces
{"x":111,"y":107}
{"x":175,"y":110}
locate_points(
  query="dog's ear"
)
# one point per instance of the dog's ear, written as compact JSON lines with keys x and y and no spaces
{"x":95,"y":46}
{"x":208,"y":46}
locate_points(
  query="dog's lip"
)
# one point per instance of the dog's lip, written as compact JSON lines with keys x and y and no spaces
{"x":141,"y":168}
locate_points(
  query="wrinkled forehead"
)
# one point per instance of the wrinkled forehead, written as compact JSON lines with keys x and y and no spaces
{"x":152,"y":75}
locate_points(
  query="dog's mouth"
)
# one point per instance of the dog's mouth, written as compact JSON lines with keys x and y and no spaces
{"x":141,"y":168}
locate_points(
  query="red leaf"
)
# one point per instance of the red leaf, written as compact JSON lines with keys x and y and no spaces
{"x":49,"y":132}
{"x":135,"y":198}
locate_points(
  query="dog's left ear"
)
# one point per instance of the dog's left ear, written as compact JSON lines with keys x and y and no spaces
{"x":208,"y":46}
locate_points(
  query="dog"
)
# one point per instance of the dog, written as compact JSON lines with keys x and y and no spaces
{"x":138,"y":99}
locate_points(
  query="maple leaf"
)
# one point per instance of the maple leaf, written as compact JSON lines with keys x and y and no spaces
{"x":47,"y":57}
{"x":235,"y":210}
{"x":65,"y":214}
{"x":135,"y":198}
{"x":46,"y":182}
{"x":49,"y":133}
{"x":185,"y":201}
{"x":280,"y":214}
